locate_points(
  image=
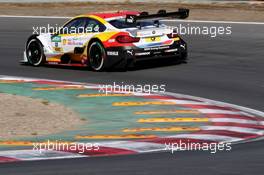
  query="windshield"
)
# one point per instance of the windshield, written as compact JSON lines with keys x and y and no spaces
{"x":122,"y":24}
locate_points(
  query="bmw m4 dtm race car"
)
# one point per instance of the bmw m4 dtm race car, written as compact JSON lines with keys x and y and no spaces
{"x":107,"y":40}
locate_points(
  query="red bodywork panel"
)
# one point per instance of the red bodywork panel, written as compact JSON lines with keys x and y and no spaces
{"x":114,"y":14}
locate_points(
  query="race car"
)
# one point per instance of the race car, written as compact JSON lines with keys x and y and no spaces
{"x":108,"y":40}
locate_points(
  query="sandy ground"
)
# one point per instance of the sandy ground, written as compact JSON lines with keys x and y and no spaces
{"x":26,"y":117}
{"x":227,"y":12}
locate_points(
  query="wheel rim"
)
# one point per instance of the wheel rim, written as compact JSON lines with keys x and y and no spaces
{"x":34,"y":53}
{"x":96,"y":56}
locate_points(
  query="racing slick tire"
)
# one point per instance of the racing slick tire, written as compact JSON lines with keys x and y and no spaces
{"x":184,"y":57}
{"x":97,"y":56}
{"x":34,"y":52}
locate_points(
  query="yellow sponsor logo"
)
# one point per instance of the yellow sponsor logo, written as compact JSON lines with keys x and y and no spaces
{"x":103,"y":95}
{"x":130,"y":136}
{"x":64,"y":42}
{"x":176,"y":39}
{"x":16,"y":143}
{"x":59,"y":88}
{"x":54,"y":59}
{"x":168,"y":129}
{"x":167,"y":112}
{"x":58,"y":49}
{"x":11,"y":81}
{"x":28,"y":143}
{"x":172,"y":120}
{"x":152,"y":39}
{"x":143,"y":103}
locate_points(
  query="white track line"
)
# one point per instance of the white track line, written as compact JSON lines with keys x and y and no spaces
{"x":139,"y":147}
{"x":185,"y":102}
{"x":218,"y":103}
{"x":172,"y":20}
{"x":208,"y":137}
{"x":37,"y":155}
{"x":220,"y":111}
{"x":233,"y":120}
{"x":234,"y":129}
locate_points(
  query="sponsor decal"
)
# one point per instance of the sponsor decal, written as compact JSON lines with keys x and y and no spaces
{"x":156,"y":48}
{"x":74,"y":41}
{"x":130,"y":52}
{"x":183,"y":46}
{"x":171,"y":50}
{"x":56,"y":39}
{"x":130,"y":19}
{"x":64,"y":42}
{"x":142,"y":53}
{"x":53,"y":63}
{"x":112,"y":53}
{"x":58,"y":49}
{"x":152,"y":39}
{"x":156,"y":53}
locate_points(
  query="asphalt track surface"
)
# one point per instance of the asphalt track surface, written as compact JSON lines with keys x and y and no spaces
{"x":227,"y":68}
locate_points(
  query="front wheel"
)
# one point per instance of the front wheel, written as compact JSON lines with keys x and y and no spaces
{"x":97,"y":56}
{"x":34,"y":52}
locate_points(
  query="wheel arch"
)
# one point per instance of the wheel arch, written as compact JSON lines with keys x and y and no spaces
{"x":102,"y":67}
{"x":89,"y":43}
{"x":93,"y":40}
{"x":34,"y":36}
{"x":44,"y":40}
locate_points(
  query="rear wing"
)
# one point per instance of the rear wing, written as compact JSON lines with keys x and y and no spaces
{"x":162,"y":14}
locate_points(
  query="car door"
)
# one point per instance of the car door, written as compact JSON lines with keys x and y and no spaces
{"x":75,"y":33}
{"x":70,"y":36}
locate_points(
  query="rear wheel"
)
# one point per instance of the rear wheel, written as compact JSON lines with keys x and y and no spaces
{"x":97,"y":56}
{"x":34,"y":52}
{"x":184,"y":57}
